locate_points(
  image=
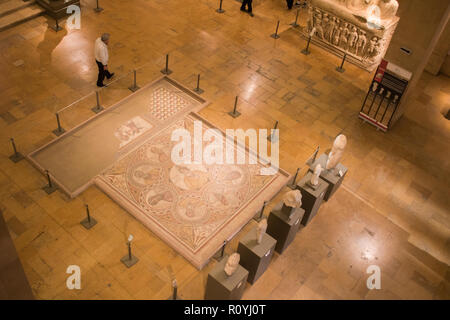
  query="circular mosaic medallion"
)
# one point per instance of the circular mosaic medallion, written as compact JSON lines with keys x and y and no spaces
{"x":144,"y":174}
{"x":189,"y":177}
{"x":191,"y":210}
{"x":159,"y":153}
{"x":230,"y":175}
{"x":222,"y":197}
{"x":159,"y":199}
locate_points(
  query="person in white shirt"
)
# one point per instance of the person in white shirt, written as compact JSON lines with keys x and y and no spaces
{"x":101,"y":57}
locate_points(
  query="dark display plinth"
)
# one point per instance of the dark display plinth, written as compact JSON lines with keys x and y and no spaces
{"x":282,"y":228}
{"x":256,"y":257}
{"x":312,"y":197}
{"x":333,"y":177}
{"x":219,"y":286}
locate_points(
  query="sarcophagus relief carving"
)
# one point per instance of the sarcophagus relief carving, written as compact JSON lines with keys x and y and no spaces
{"x":362,"y":29}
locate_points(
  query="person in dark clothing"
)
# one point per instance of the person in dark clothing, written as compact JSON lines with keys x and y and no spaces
{"x":249,"y":6}
{"x":102,"y":73}
{"x":290,"y":4}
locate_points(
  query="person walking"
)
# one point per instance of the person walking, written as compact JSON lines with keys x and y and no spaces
{"x":249,"y":6}
{"x":290,"y":3}
{"x":102,"y":57}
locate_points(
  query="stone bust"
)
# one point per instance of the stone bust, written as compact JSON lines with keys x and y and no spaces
{"x":315,"y":177}
{"x":336,"y":152}
{"x":293,"y":199}
{"x":260,"y":230}
{"x":232,"y":264}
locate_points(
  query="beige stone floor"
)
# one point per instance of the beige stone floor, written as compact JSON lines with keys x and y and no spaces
{"x":392,"y":210}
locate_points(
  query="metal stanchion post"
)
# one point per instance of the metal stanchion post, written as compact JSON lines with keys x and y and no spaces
{"x":310,"y":35}
{"x":88,"y":222}
{"x":98,"y":108}
{"x":134,"y":87}
{"x":174,"y":294}
{"x":97,"y":8}
{"x":198,"y":90}
{"x":306,"y":50}
{"x":235,"y":113}
{"x":174,"y":290}
{"x":220,"y":10}
{"x":312,"y":159}
{"x":340,"y":68}
{"x":275,"y":35}
{"x":56,"y":27}
{"x":260,"y":215}
{"x":17,"y":156}
{"x":50,"y":188}
{"x":295,"y":24}
{"x":222,"y":251}
{"x":166,"y":70}
{"x":271,"y":136}
{"x":58,"y":131}
{"x":129,"y":260}
{"x":293,"y":185}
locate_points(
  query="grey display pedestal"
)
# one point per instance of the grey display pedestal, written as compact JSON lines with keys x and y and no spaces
{"x":256,"y":257}
{"x":333,"y":177}
{"x":312,"y":197}
{"x":219,"y":286}
{"x":283,"y":229}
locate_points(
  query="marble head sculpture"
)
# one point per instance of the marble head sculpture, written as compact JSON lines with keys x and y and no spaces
{"x":260,"y":230}
{"x":232,"y":264}
{"x":290,"y":202}
{"x":293,"y":199}
{"x":336,"y":152}
{"x":315,"y":177}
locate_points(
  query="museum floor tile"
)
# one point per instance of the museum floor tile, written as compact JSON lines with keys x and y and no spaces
{"x":392,"y":209}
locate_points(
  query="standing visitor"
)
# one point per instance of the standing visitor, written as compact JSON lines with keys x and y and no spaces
{"x":290,"y":3}
{"x":101,"y":57}
{"x":249,"y":6}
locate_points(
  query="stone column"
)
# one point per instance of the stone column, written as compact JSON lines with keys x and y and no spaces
{"x":421,"y":25}
{"x":440,"y":53}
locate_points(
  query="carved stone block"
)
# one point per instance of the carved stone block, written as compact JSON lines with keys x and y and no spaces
{"x":334,"y":177}
{"x":284,"y":228}
{"x":219,"y":286}
{"x":255,"y":257}
{"x":361,"y":29}
{"x":312,"y":196}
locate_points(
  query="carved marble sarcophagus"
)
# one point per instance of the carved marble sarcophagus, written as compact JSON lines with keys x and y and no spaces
{"x":362,"y":29}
